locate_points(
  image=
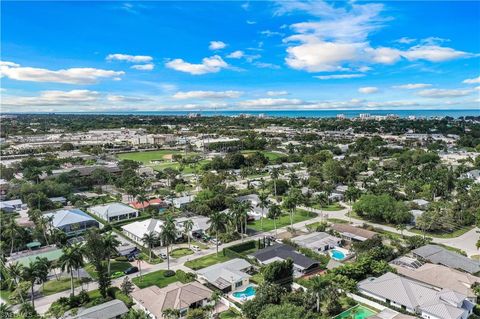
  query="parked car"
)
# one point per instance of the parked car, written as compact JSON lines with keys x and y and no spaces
{"x":163,"y":256}
{"x":131,"y":270}
{"x":214,"y":241}
{"x":195,"y":248}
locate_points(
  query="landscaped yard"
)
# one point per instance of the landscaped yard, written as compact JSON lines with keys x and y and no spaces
{"x":115,"y":266}
{"x":455,"y":233}
{"x":230,"y":314}
{"x":180,"y":252}
{"x":284,"y":220}
{"x":329,"y":208}
{"x":207,"y":261}
{"x":53,"y":286}
{"x":161,"y":159}
{"x":268,"y":154}
{"x":156,"y":278}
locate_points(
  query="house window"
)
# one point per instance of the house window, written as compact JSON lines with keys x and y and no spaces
{"x":238,"y":284}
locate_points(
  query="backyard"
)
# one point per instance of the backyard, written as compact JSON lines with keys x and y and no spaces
{"x":156,"y":278}
{"x":207,"y":261}
{"x":284,"y":220}
{"x":115,"y":267}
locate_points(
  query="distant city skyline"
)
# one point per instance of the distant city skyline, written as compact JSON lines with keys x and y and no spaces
{"x":287,"y":55}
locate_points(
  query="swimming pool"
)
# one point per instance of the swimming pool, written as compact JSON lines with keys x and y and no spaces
{"x":337,"y":254}
{"x":248,"y":292}
{"x":356,"y":312}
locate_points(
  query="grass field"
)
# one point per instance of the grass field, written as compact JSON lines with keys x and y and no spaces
{"x":230,"y":314}
{"x":53,"y":286}
{"x":455,"y":233}
{"x":207,"y":261}
{"x":180,"y":252}
{"x":115,"y":266}
{"x":284,"y":220}
{"x":268,"y":154}
{"x":156,"y":278}
{"x":330,"y":208}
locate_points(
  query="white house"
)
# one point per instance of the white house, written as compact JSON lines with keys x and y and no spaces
{"x":113,"y":212}
{"x":228,"y":276}
{"x":317,"y":241}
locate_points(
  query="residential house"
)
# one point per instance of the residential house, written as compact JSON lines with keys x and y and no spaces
{"x":4,"y":186}
{"x":11,"y":206}
{"x":441,"y":277}
{"x":155,"y":300}
{"x":439,"y":255}
{"x":182,"y":201}
{"x":109,"y":310}
{"x":416,"y":298}
{"x":113,"y":212}
{"x":256,"y":212}
{"x":156,"y":203}
{"x":421,"y":203}
{"x":138,"y":229}
{"x":353,"y":233}
{"x":72,"y":221}
{"x":228,"y":276}
{"x":317,"y":241}
{"x":473,"y":175}
{"x":279,"y":252}
{"x":58,"y":200}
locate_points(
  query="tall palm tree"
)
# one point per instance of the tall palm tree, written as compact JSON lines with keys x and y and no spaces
{"x":44,"y":267}
{"x":71,"y":260}
{"x":150,"y":240}
{"x":244,"y":208}
{"x":168,"y":235}
{"x":401,"y":228}
{"x":322,"y":200}
{"x":264,"y":203}
{"x":217,"y":224}
{"x":171,"y":313}
{"x":187,"y":228}
{"x":216,"y":296}
{"x":6,"y":311}
{"x":274,"y":212}
{"x":142,"y":198}
{"x":274,"y":174}
{"x":110,"y":244}
{"x":11,"y":230}
{"x":31,"y":274}
{"x":15,"y":271}
{"x":139,"y":264}
{"x":44,"y":224}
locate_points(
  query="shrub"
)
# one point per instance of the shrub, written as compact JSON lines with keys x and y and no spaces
{"x":83,"y":297}
{"x":169,"y":273}
{"x":121,"y":258}
{"x":185,"y":277}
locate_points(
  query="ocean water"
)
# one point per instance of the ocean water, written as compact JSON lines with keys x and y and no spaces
{"x":300,"y":113}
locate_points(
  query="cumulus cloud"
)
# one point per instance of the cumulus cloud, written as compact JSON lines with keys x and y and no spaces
{"x":269,"y":33}
{"x":123,"y":98}
{"x":143,"y":67}
{"x":129,"y":58}
{"x":444,"y":93}
{"x":217,"y":45}
{"x":405,"y":40}
{"x":277,"y":93}
{"x":472,"y":81}
{"x":368,"y":90}
{"x":412,"y":86}
{"x":268,"y":102}
{"x":212,"y":64}
{"x":52,"y":97}
{"x":69,"y":76}
{"x":207,"y":95}
{"x":433,"y":53}
{"x":236,"y":55}
{"x":339,"y":76}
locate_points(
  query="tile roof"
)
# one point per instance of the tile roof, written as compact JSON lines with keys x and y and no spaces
{"x":352,"y":231}
{"x":439,"y":255}
{"x":280,"y":251}
{"x":107,"y":310}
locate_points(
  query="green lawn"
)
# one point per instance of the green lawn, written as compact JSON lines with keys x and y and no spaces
{"x":337,"y":221}
{"x":180,"y":252}
{"x":53,"y":286}
{"x":284,"y":220}
{"x":206,"y":261}
{"x":187,"y":169}
{"x":147,"y":156}
{"x":268,"y":154}
{"x":230,"y":314}
{"x":156,"y":278}
{"x":115,"y":266}
{"x":455,"y":233}
{"x":330,"y":208}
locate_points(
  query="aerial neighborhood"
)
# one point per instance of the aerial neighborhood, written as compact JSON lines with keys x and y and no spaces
{"x":240,"y":217}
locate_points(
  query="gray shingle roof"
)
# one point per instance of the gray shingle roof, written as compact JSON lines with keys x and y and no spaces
{"x":69,"y":216}
{"x":106,"y":310}
{"x":439,"y":255}
{"x":284,"y":252}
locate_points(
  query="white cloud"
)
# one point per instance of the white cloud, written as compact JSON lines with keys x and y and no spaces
{"x":412,"y":86}
{"x":122,"y":98}
{"x":267,"y":102}
{"x":368,"y":90}
{"x":216,"y":45}
{"x":52,"y":97}
{"x":236,"y":54}
{"x":405,"y":40}
{"x":444,"y":93}
{"x":207,"y":95}
{"x":129,"y":58}
{"x":277,"y":93}
{"x":269,"y":33}
{"x":472,"y":81}
{"x":264,"y":65}
{"x":212,"y":64}
{"x":251,"y":22}
{"x":339,"y":76}
{"x":384,"y":55}
{"x":143,"y":67}
{"x":69,"y":76}
{"x":433,"y":53}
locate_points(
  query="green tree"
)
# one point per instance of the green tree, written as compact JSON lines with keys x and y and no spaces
{"x":150,"y":240}
{"x":126,"y":286}
{"x":168,"y":235}
{"x":171,"y":313}
{"x":217,"y":224}
{"x":71,"y":259}
{"x":31,"y":274}
{"x":187,"y":228}
{"x":274,"y":212}
{"x":110,"y":244}
{"x":264,"y":203}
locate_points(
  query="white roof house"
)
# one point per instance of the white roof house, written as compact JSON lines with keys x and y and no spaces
{"x":200,"y":223}
{"x":319,"y":241}
{"x":417,"y":298}
{"x":108,"y":310}
{"x":113,"y":212}
{"x":11,"y":205}
{"x":138,"y":229}
{"x":227,"y":276}
{"x":179,"y":202}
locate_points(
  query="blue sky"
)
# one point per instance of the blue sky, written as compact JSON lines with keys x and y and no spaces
{"x":112,"y":55}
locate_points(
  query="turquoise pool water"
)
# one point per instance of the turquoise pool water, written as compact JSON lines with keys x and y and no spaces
{"x":248,"y":292}
{"x":337,"y":254}
{"x":357,"y":312}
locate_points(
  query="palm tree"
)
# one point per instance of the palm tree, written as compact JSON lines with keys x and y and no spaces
{"x":274,"y":174}
{"x":5,"y":311}
{"x":150,"y":240}
{"x":11,"y":230}
{"x":216,"y":296}
{"x":318,"y":288}
{"x":171,"y":313}
{"x":322,"y":200}
{"x":44,"y":224}
{"x":139,"y":264}
{"x":217,"y":223}
{"x":30,"y":273}
{"x":274,"y":212}
{"x":15,"y":271}
{"x":110,"y":244}
{"x":136,"y":314}
{"x":71,"y":259}
{"x":168,"y":235}
{"x":187,"y":227}
{"x":401,"y":228}
{"x":264,"y":203}
{"x":44,"y":267}
{"x":142,"y":198}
